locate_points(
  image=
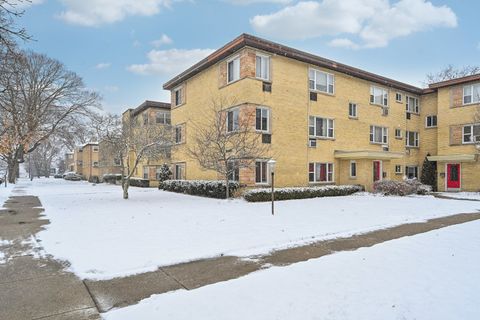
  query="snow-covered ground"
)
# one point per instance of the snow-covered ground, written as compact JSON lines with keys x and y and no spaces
{"x":428,"y":276}
{"x":462,"y":195}
{"x":104,"y":236}
{"x":5,"y":192}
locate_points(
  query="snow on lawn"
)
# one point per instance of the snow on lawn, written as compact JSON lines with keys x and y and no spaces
{"x":104,"y":236}
{"x":428,"y":276}
{"x":462,"y":195}
{"x":5,"y":192}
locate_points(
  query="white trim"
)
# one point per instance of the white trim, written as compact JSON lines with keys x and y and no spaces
{"x":384,"y":91}
{"x":431,"y":116}
{"x":239,"y":68}
{"x":315,"y":127}
{"x":356,"y":169}
{"x":257,"y":54}
{"x":268,"y":119}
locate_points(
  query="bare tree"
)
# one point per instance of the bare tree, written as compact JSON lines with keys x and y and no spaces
{"x":226,"y":142}
{"x":131,"y":141}
{"x":9,"y":32}
{"x":41,"y":159}
{"x":451,"y":72}
{"x":37,"y":99}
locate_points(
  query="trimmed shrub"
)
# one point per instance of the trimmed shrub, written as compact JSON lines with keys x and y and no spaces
{"x":137,"y":182}
{"x":112,"y":178}
{"x":204,"y":188}
{"x":265,"y":194}
{"x":94,"y":179}
{"x":401,"y":188}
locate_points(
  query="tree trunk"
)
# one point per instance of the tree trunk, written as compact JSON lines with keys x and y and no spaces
{"x":12,"y":170}
{"x":125,"y":186}
{"x":227,"y":192}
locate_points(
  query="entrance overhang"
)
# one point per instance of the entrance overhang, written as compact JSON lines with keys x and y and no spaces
{"x":373,"y":155}
{"x":454,"y":158}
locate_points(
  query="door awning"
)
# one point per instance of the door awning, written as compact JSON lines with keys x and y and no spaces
{"x":454,"y":158}
{"x":365,"y":154}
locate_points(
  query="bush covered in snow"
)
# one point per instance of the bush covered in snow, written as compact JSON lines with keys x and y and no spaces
{"x":111,"y":178}
{"x":137,"y":182}
{"x":205,"y":188}
{"x":401,"y":188}
{"x":265,"y":194}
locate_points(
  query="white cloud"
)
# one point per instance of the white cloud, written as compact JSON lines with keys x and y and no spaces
{"x":247,"y":2}
{"x":103,"y":65}
{"x":374,"y":22}
{"x":97,"y":12}
{"x":164,"y":39}
{"x":169,"y":62}
{"x":111,"y":88}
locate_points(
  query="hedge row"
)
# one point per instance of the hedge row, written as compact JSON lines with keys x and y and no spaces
{"x":401,"y":188}
{"x":205,"y":188}
{"x":136,"y":182}
{"x":260,"y":195}
{"x":111,"y":178}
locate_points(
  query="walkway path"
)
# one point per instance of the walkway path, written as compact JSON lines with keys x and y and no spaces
{"x":35,"y":286}
{"x":32,"y":284}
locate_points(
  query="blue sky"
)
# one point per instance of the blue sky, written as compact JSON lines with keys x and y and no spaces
{"x":127,"y":49}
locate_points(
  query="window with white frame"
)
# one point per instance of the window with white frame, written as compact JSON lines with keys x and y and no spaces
{"x":431,"y":121}
{"x":411,"y":172}
{"x":353,"y":169}
{"x":398,"y":169}
{"x":398,"y":133}
{"x":352,"y":110}
{"x":178,"y":134}
{"x":379,"y":96}
{"x":411,"y":139}
{"x":145,"y":173}
{"x":471,"y":93}
{"x":162,"y":117}
{"x":398,"y":97}
{"x":412,"y":104}
{"x":261,"y":172}
{"x":320,"y":172}
{"x":321,"y":81}
{"x":321,"y":127}
{"x":262,"y":67}
{"x":378,"y":134}
{"x":233,"y":117}
{"x":178,"y":96}
{"x":471,"y":133}
{"x":262,"y":119}
{"x":233,"y":170}
{"x":179,"y":171}
{"x":233,"y":69}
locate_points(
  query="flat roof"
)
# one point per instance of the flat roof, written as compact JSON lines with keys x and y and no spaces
{"x":150,"y":104}
{"x":247,"y":40}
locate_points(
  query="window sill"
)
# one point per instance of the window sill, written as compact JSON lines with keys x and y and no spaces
{"x":399,"y":101}
{"x":378,"y":105}
{"x":412,"y":147}
{"x":352,"y":178}
{"x":263,"y":80}
{"x":379,"y":143}
{"x":323,"y":93}
{"x":435,"y":127}
{"x":399,"y":138}
{"x":413,"y":113}
{"x":398,"y":173}
{"x":179,"y":105}
{"x":352,"y":118}
{"x":321,"y":138}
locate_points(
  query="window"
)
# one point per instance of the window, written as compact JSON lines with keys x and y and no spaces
{"x":163,"y":117}
{"x":398,"y":133}
{"x":179,"y":171}
{"x":431,"y":121}
{"x":158,"y":173}
{"x":398,"y":169}
{"x":145,"y":118}
{"x":95,"y":149}
{"x":471,"y":133}
{"x":320,"y":172}
{"x":262,"y":119}
{"x":378,"y":96}
{"x":233,"y":170}
{"x":117,"y":162}
{"x":262,"y":70}
{"x":178,"y":96}
{"x":353,"y":169}
{"x":95,"y":164}
{"x":321,"y":81}
{"x":145,"y":173}
{"x":352,"y":110}
{"x":233,"y":120}
{"x":398,"y":97}
{"x":261,"y":171}
{"x":233,"y":70}
{"x":378,"y":134}
{"x":321,"y":127}
{"x":412,"y":105}
{"x":411,"y":172}
{"x":471,"y":94}
{"x":411,"y":139}
{"x":178,"y":134}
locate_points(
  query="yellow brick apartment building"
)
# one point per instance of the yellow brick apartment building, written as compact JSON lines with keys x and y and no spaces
{"x":329,"y":123}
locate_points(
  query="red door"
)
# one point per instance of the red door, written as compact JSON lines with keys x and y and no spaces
{"x":376,"y":170}
{"x":453,"y":176}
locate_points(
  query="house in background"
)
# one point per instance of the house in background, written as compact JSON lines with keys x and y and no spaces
{"x":108,"y":163}
{"x":90,"y":162}
{"x":326,"y":122}
{"x":150,"y":113}
{"x":78,"y":160}
{"x":69,"y":162}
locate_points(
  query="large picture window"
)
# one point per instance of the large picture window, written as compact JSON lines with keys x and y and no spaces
{"x":321,"y":127}
{"x":320,"y":172}
{"x":321,"y":81}
{"x":378,"y":96}
{"x":471,"y":93}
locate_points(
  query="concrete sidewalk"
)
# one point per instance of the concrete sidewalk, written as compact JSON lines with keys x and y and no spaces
{"x":32,"y":284}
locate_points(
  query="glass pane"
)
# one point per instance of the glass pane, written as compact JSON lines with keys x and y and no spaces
{"x":476,"y":130}
{"x":258,"y":119}
{"x":258,"y":69}
{"x":321,"y":81}
{"x":476,"y":93}
{"x":257,"y":172}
